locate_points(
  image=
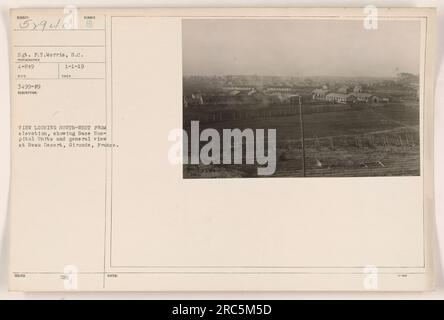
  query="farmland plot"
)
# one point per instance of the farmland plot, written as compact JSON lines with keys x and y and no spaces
{"x":372,"y":141}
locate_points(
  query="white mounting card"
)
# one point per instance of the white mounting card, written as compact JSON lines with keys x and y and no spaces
{"x":222,"y":149}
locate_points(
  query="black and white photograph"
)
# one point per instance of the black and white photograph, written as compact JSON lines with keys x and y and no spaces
{"x":301,"y":98}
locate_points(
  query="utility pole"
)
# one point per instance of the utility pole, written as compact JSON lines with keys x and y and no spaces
{"x":301,"y":122}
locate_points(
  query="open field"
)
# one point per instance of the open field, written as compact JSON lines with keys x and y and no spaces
{"x":370,"y":141}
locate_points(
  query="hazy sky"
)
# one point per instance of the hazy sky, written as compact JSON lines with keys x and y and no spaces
{"x":299,"y":47}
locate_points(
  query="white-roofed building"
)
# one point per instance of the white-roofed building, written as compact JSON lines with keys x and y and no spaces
{"x":340,"y":97}
{"x":319,"y":94}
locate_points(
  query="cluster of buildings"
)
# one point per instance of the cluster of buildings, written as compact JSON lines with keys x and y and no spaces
{"x":244,"y":95}
{"x":236,"y":95}
{"x":345,"y":95}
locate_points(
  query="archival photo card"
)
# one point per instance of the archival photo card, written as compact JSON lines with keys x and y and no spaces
{"x":300,"y":98}
{"x":131,"y":131}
